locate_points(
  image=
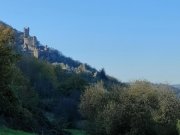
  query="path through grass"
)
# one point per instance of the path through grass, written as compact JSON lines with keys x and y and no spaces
{"x":7,"y":131}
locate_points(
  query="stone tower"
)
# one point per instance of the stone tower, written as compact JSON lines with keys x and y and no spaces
{"x":30,"y":43}
{"x":26,"y":32}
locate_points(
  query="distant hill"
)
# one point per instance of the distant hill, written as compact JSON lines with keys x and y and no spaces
{"x":177,"y":86}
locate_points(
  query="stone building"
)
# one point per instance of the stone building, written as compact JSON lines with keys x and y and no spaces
{"x":30,"y":43}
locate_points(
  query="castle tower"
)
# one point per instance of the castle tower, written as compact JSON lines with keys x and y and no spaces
{"x":30,"y":43}
{"x":26,"y":32}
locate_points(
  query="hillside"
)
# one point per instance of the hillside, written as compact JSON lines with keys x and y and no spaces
{"x":46,"y":85}
{"x":27,"y":44}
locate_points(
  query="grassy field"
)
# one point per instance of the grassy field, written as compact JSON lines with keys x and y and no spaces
{"x":76,"y":132}
{"x":6,"y":131}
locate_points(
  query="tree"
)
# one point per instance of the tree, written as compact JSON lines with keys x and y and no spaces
{"x":142,"y":108}
{"x":41,"y":75}
{"x":102,"y":74}
{"x":169,"y":110}
{"x":7,"y":59}
{"x":92,"y":100}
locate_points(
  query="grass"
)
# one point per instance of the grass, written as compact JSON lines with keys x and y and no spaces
{"x":7,"y":131}
{"x":76,"y":132}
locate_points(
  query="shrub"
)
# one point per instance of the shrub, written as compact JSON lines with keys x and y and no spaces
{"x":140,"y":109}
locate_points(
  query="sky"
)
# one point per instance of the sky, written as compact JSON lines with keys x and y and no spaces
{"x":130,"y":39}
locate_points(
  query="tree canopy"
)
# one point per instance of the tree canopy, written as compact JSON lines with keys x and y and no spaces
{"x":140,"y":109}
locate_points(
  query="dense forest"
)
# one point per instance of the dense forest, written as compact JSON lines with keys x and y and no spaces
{"x":40,"y":97}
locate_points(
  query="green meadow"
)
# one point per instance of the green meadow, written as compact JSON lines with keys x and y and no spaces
{"x":7,"y":131}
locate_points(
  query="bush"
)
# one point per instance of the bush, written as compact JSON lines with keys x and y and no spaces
{"x":140,"y":109}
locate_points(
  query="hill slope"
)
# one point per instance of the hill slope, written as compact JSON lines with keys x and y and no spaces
{"x":50,"y":54}
{"x":46,"y":88}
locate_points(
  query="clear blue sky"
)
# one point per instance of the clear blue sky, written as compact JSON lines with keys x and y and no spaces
{"x":131,"y":39}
